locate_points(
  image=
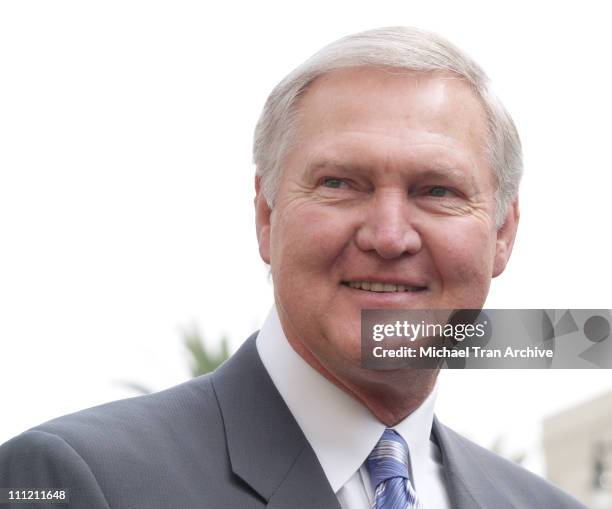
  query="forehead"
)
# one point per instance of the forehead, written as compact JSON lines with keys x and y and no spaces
{"x":417,"y":109}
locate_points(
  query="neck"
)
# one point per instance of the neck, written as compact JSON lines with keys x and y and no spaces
{"x":395,"y":398}
{"x":391,"y":396}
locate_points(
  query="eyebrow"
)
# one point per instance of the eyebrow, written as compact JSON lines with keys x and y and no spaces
{"x":333,"y":166}
{"x":445,"y":172}
{"x":431,"y":171}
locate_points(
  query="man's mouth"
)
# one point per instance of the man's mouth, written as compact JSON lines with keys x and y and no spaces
{"x":376,"y":286}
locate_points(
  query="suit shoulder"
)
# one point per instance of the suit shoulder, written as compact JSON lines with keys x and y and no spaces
{"x":191,"y":400}
{"x":166,"y":449}
{"x":142,"y":431}
{"x":515,"y":480}
{"x":38,"y":459}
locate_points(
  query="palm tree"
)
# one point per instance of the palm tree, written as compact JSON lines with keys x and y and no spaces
{"x":201,"y":360}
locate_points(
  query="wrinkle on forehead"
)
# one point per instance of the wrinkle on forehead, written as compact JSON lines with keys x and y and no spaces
{"x":360,"y":96}
{"x":417,"y":108}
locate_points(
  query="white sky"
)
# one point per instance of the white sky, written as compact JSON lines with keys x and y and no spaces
{"x":126,"y":187}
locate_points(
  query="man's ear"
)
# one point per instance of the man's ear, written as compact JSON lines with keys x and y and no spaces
{"x":505,"y":238}
{"x":262,"y":221}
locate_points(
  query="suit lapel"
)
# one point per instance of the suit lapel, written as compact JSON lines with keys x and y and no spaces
{"x":267,"y":449}
{"x":469,"y":484}
{"x":269,"y":452}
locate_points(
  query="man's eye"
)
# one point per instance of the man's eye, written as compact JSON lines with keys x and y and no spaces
{"x":438,"y":191}
{"x":334,"y":183}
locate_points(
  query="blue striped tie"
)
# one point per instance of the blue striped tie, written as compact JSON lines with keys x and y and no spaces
{"x":388,"y":466}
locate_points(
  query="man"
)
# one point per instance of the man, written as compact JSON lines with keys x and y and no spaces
{"x":387,"y":178}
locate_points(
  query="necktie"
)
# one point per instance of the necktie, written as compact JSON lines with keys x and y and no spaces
{"x":388,"y":466}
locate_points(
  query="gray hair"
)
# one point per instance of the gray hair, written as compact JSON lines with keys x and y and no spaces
{"x":404,"y":48}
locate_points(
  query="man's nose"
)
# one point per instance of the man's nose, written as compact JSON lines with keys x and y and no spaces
{"x":388,"y":228}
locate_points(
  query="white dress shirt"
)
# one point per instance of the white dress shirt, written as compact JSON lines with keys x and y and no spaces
{"x":343,"y":432}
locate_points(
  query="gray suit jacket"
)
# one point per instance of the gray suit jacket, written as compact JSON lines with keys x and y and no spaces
{"x":226,"y":440}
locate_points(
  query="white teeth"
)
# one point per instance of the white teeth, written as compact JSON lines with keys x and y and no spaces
{"x":377,"y":287}
{"x":382,"y":287}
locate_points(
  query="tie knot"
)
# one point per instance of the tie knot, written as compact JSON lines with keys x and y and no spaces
{"x":389,"y":458}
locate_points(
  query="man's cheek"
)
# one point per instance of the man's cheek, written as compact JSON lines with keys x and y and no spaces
{"x":463,"y":264}
{"x":319,"y":235}
{"x":458,"y":243}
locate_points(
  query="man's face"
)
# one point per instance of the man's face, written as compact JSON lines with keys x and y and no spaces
{"x":386,"y":201}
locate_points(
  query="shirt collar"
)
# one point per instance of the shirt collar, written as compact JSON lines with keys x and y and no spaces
{"x":341,"y":431}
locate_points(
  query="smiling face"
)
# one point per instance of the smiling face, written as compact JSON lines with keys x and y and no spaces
{"x":385,"y":201}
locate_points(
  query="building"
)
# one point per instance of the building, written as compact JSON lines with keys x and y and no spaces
{"x":578,"y":451}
